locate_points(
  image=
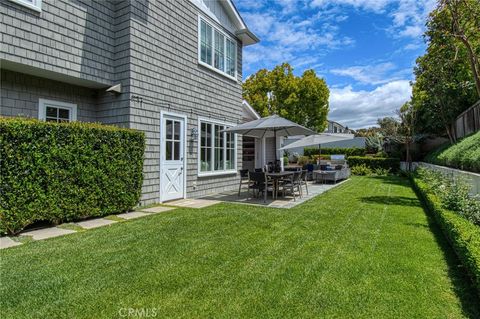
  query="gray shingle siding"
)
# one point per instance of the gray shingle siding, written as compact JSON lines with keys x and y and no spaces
{"x":69,"y":37}
{"x":20,"y":94}
{"x":150,"y":47}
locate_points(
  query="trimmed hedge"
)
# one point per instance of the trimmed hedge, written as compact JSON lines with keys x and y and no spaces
{"x":351,"y":151}
{"x":58,"y":172}
{"x":391,"y":163}
{"x":465,"y":154}
{"x":463,"y":235}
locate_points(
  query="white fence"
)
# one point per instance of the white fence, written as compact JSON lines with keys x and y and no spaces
{"x":472,"y":178}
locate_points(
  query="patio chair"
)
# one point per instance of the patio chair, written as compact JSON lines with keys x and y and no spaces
{"x":258,"y":170}
{"x":303,"y":182}
{"x":293,"y":184}
{"x":260,"y":183}
{"x":244,"y":179}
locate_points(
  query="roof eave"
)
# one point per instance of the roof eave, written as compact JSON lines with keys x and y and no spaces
{"x":247,"y":37}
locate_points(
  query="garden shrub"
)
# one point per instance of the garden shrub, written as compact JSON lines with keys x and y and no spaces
{"x":465,"y":154}
{"x":379,"y":171}
{"x":392,"y":164}
{"x":302,"y":160}
{"x":58,"y":172}
{"x":351,"y":151}
{"x":361,"y":170}
{"x":462,"y":234}
{"x":453,"y":193}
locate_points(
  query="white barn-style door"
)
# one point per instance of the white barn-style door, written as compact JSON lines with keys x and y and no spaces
{"x":172,"y":158}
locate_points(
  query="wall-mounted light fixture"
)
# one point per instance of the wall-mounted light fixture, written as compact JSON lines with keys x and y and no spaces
{"x":194,"y":133}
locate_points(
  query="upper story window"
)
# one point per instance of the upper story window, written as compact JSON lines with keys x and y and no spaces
{"x":32,"y":4}
{"x":217,"y":50}
{"x":217,"y":149}
{"x":56,"y":111}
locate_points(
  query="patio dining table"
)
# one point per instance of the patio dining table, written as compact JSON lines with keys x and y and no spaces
{"x":276,"y":177}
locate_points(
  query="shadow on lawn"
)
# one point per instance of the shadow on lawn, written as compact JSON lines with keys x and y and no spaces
{"x":462,"y":283}
{"x":392,"y":200}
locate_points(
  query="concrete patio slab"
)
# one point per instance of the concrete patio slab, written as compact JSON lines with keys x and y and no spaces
{"x":7,"y":242}
{"x":45,"y":233}
{"x":282,"y":202}
{"x":193,"y":203}
{"x":132,"y":215}
{"x":94,"y":223}
{"x":157,"y":209}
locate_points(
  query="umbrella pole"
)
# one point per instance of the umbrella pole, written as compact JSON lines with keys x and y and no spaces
{"x":275,"y":141}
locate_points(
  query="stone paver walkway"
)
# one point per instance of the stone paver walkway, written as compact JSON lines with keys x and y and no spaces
{"x":132,"y":215}
{"x":6,"y":242}
{"x":45,"y":233}
{"x":50,"y":232}
{"x":157,"y":209}
{"x":193,"y":203}
{"x":94,"y":223}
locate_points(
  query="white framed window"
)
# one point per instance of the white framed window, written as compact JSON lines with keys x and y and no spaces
{"x":31,"y":4}
{"x":216,"y":50}
{"x":217,"y":149}
{"x":56,"y":111}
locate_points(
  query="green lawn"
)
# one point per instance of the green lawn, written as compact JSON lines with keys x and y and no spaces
{"x":365,"y":249}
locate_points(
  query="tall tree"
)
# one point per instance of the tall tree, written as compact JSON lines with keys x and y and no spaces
{"x":406,"y":130}
{"x":303,"y":99}
{"x":444,"y":84}
{"x":464,"y":26}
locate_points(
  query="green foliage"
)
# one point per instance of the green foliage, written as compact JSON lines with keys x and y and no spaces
{"x":361,"y":170}
{"x":303,"y":160}
{"x":285,"y":161}
{"x":62,"y":172}
{"x":465,"y":154}
{"x":453,"y":193}
{"x":352,"y":151}
{"x":303,"y":100}
{"x":388,"y":163}
{"x":444,"y":83}
{"x":379,"y":171}
{"x":463,"y":235}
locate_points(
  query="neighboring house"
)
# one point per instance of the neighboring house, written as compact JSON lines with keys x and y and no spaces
{"x":335,"y":127}
{"x":170,"y":68}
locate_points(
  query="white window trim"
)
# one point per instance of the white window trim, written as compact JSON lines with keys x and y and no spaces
{"x":36,"y":5}
{"x":42,"y":108}
{"x":199,"y":147}
{"x":211,"y":67}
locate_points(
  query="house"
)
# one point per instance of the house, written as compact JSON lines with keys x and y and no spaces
{"x":172,"y":69}
{"x":335,"y":127}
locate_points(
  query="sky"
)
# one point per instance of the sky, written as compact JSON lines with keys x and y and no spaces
{"x":364,"y":49}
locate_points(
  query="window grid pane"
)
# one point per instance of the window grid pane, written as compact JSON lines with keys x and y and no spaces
{"x":56,"y":114}
{"x":217,"y":50}
{"x":206,"y":147}
{"x":217,"y":148}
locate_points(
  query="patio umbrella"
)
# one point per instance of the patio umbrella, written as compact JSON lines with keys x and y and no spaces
{"x":270,"y":126}
{"x":318,"y":139}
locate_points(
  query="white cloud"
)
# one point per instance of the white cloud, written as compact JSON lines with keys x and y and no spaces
{"x":408,"y":16}
{"x":368,"y":74}
{"x":286,"y":37}
{"x":373,"y":5}
{"x":357,"y":109}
